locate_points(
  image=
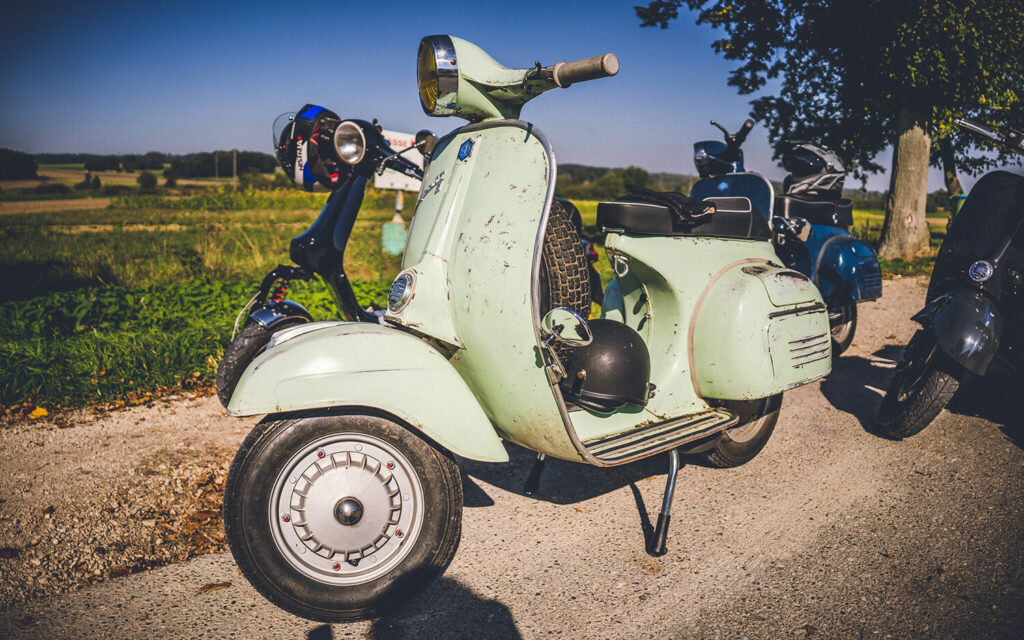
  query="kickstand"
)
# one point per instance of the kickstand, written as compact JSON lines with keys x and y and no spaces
{"x":657,"y":546}
{"x":533,"y":480}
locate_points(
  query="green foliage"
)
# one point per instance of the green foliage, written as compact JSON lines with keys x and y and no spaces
{"x":146,"y":181}
{"x":103,"y":343}
{"x":848,"y":68}
{"x":15,"y":165}
{"x":52,"y":188}
{"x":597,"y":183}
{"x":201,"y":165}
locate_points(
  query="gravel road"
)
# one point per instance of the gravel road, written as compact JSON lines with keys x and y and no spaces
{"x":831,"y":532}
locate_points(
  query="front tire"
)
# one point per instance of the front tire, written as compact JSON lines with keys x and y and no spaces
{"x":249,"y":343}
{"x":341,"y":517}
{"x":923,"y":385}
{"x":741,"y":444}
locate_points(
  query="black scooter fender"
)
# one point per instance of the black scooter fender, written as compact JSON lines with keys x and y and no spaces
{"x":967,"y":326}
{"x":274,"y":313}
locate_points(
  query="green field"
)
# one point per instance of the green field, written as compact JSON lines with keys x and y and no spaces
{"x":114,"y":304}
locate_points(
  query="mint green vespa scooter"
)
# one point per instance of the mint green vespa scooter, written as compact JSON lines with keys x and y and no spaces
{"x":346,"y":500}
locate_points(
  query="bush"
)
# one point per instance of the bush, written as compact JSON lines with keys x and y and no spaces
{"x":52,"y":188}
{"x":94,"y":184}
{"x":146,"y":180}
{"x":15,"y":165}
{"x":171,"y":182}
{"x":116,"y":189}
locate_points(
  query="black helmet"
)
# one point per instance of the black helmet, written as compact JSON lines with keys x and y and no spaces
{"x":611,"y":371}
{"x":814,"y":170}
{"x":304,"y":145}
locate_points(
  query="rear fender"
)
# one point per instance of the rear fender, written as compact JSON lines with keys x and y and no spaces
{"x":967,"y":326}
{"x":847,"y":271}
{"x":357,"y":364}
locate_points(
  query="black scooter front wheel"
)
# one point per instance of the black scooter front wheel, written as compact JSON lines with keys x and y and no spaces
{"x":923,"y":385}
{"x":341,"y":517}
{"x":249,"y":343}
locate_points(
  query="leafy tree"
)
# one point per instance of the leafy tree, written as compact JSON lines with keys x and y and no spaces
{"x":146,"y":180}
{"x":859,"y":75}
{"x":15,"y":165}
{"x":95,"y":184}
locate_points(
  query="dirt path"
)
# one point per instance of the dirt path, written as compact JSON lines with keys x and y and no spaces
{"x":830,"y":533}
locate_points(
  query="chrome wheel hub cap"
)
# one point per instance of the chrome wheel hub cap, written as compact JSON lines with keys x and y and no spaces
{"x":346,"y":509}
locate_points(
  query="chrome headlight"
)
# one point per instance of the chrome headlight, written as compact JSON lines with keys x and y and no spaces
{"x":401,"y":292}
{"x":437,"y":73}
{"x":981,"y":271}
{"x":350,"y":142}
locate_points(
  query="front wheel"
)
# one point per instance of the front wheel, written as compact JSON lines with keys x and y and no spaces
{"x":843,"y":321}
{"x":922,"y":386}
{"x":740,"y":444}
{"x":341,"y":517}
{"x":249,"y":343}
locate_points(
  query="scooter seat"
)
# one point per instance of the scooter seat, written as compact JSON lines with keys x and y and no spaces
{"x":834,"y":213}
{"x":733,"y":218}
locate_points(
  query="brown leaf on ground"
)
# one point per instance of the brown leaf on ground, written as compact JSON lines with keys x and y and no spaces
{"x":119,"y":571}
{"x":810,"y":630}
{"x":213,"y":586}
{"x":48,"y":510}
{"x":9,"y":552}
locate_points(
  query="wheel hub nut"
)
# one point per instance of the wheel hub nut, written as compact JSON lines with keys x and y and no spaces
{"x":348,"y":511}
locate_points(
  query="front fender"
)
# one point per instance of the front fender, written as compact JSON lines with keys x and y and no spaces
{"x":367,"y":365}
{"x":274,"y":313}
{"x":967,"y":326}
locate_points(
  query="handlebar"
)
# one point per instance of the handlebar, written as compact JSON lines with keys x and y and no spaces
{"x":566,"y":73}
{"x":741,"y":135}
{"x":1010,"y":138}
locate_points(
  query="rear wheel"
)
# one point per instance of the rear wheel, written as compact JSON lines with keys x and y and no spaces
{"x":843,"y":323}
{"x":740,"y":444}
{"x":564,"y":270}
{"x":249,"y":343}
{"x":923,"y":385}
{"x":341,"y":517}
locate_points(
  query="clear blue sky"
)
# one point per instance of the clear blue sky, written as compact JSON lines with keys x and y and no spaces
{"x":130,"y":77}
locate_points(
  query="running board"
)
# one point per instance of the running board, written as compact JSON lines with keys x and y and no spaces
{"x":661,"y":436}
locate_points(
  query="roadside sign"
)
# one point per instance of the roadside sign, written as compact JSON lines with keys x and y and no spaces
{"x":392,"y":179}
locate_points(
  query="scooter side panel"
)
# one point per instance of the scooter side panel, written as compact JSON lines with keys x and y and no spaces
{"x":364,"y":365}
{"x":480,"y":229}
{"x":846,"y":269}
{"x":746,"y":346}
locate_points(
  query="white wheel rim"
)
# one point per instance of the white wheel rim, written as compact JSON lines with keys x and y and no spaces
{"x":346,"y":509}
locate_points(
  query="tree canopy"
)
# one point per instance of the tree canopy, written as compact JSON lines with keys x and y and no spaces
{"x":857,"y":75}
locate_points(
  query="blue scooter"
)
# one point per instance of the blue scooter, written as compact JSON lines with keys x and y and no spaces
{"x":810,"y":222}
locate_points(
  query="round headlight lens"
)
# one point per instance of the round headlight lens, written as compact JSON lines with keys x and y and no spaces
{"x":349,"y":142}
{"x":426,"y":76}
{"x":401,"y":292}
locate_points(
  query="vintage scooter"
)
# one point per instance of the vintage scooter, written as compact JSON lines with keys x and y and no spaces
{"x":975,"y":309}
{"x":346,"y":499}
{"x":316,"y":149}
{"x":810,"y":221}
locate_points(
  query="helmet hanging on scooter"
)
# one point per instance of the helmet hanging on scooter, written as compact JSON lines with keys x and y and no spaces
{"x":305,"y":149}
{"x":813,"y":171}
{"x":610,"y":372}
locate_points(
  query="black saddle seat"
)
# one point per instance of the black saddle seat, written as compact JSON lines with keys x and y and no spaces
{"x":733,"y":218}
{"x":834,"y":213}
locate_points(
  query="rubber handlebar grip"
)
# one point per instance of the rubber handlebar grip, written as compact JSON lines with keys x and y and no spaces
{"x":566,"y":73}
{"x":745,"y":128}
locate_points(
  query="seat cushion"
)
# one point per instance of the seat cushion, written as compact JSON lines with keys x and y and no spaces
{"x":834,"y":213}
{"x":733,"y":218}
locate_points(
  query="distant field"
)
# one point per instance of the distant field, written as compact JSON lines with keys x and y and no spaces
{"x":106,"y":298}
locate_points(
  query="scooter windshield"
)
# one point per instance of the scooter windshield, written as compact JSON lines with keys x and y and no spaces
{"x":281,"y":122}
{"x":992,"y":213}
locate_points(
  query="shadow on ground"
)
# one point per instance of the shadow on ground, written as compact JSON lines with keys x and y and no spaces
{"x":446,"y":609}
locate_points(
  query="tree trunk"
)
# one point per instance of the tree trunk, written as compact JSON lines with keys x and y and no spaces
{"x":905,"y":231}
{"x":953,"y":187}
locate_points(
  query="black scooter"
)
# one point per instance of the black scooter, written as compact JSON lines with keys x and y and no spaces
{"x":975,"y":309}
{"x":315,"y":147}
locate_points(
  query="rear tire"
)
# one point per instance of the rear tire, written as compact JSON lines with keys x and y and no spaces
{"x":564,"y":269}
{"x":249,"y":343}
{"x":341,"y":517}
{"x":741,"y":444}
{"x":922,"y":386}
{"x":842,"y":334}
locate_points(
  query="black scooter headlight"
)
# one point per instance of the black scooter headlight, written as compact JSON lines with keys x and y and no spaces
{"x":437,"y":73}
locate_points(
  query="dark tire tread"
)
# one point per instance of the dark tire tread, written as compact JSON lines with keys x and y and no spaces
{"x":249,"y":342}
{"x":903,"y":419}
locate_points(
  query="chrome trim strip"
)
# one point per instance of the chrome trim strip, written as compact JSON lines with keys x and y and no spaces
{"x":821,"y":255}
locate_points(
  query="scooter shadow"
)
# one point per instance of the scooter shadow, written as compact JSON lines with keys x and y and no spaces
{"x":857,"y":385}
{"x":446,"y":609}
{"x":991,"y":397}
{"x":561,"y":483}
